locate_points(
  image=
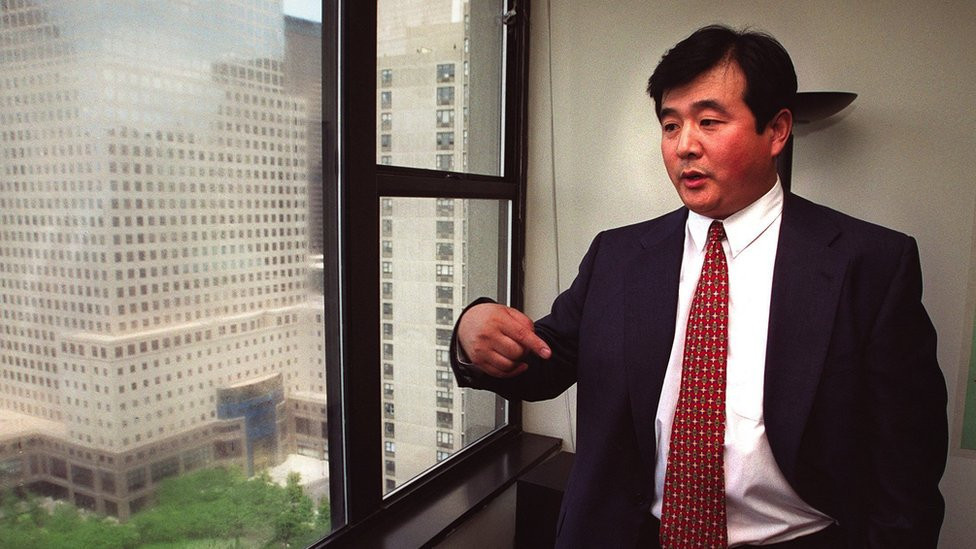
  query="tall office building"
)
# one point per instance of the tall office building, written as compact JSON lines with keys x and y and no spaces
{"x":155,"y":314}
{"x":434,"y":252}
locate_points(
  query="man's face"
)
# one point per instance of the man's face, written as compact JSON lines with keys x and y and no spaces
{"x":714,"y":157}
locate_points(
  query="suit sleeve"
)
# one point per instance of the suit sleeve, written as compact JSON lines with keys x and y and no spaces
{"x":544,"y":379}
{"x":906,"y":433}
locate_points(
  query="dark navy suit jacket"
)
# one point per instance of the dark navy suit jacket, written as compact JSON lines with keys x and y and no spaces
{"x":854,"y":400}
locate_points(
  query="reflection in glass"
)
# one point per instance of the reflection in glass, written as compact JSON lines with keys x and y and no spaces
{"x":161,"y":241}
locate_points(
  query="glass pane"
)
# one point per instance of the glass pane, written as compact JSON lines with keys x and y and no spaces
{"x":439,"y":254}
{"x":161,"y":305}
{"x":439,"y":84}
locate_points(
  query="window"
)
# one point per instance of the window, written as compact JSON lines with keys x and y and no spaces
{"x":445,"y":141}
{"x":193,"y":229}
{"x":445,"y":72}
{"x":445,"y":295}
{"x":444,"y":316}
{"x":444,"y":379}
{"x":445,"y":229}
{"x":386,"y":121}
{"x":445,"y":251}
{"x":445,"y":420}
{"x":445,"y":273}
{"x":445,"y":95}
{"x":445,"y":162}
{"x":407,"y":203}
{"x":445,"y":207}
{"x":386,"y":142}
{"x":445,"y":118}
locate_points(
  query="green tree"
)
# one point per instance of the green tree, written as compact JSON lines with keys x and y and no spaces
{"x":296,"y":519}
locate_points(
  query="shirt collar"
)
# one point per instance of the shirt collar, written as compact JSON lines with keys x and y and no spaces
{"x":744,"y":226}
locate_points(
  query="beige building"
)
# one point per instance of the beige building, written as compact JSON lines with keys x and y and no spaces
{"x":155,"y":307}
{"x":434,"y":253}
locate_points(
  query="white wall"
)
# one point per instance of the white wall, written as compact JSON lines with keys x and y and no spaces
{"x":902,"y":155}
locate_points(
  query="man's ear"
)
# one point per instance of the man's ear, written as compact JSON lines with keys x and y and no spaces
{"x":780,"y":128}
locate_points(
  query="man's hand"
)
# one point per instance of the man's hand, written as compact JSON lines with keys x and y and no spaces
{"x":497,"y":338}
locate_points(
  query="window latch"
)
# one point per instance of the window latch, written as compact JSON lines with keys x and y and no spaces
{"x":508,"y":18}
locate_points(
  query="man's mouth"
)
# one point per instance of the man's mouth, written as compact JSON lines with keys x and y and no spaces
{"x":692,"y":176}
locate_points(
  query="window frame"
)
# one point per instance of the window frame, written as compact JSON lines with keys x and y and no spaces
{"x":358,"y":419}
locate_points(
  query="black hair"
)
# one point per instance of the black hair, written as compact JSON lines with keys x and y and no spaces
{"x":768,"y":69}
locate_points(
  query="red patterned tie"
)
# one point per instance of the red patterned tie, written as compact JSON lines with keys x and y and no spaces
{"x":693,"y":515}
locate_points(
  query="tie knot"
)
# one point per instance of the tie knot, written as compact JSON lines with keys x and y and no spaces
{"x":716,"y":232}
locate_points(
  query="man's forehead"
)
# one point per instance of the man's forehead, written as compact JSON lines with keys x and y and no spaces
{"x":711,"y":89}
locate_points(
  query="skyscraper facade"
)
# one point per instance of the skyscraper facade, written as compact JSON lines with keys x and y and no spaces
{"x":155,"y":311}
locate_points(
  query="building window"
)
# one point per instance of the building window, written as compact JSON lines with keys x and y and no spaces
{"x":387,"y":330}
{"x":445,"y":399}
{"x":443,"y":357}
{"x":445,"y":207}
{"x":386,"y":78}
{"x":388,"y":390}
{"x":386,"y":206}
{"x":387,"y":246}
{"x":387,"y":269}
{"x":445,"y":273}
{"x":386,"y":142}
{"x":389,"y":430}
{"x":445,"y":118}
{"x":445,"y":295}
{"x":445,"y":439}
{"x":386,"y":121}
{"x":388,"y":374}
{"x":386,"y":100}
{"x":444,"y":316}
{"x":445,"y":141}
{"x":445,"y":229}
{"x":443,"y":337}
{"x":444,"y":378}
{"x":445,"y":95}
{"x":389,"y":447}
{"x":387,"y":311}
{"x":386,"y":160}
{"x":445,"y":420}
{"x":445,"y":251}
{"x":445,"y":162}
{"x":445,"y":72}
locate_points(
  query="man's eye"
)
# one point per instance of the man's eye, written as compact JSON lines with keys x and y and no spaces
{"x":669,"y":127}
{"x":709,"y":122}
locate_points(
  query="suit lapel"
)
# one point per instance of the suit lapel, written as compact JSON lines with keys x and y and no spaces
{"x":807,"y":281}
{"x":649,"y":317}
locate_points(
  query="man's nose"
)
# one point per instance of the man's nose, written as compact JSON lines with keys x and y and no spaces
{"x":688,"y":144}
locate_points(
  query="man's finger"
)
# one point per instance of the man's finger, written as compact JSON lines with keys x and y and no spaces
{"x":523,"y":332}
{"x":499,"y":366}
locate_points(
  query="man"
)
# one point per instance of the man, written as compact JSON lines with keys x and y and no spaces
{"x":807,"y":343}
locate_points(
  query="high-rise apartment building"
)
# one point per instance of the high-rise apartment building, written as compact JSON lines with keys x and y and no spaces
{"x":434,"y":253}
{"x":155,"y":311}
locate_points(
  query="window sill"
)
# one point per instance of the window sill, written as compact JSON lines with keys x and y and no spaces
{"x":426,"y":516}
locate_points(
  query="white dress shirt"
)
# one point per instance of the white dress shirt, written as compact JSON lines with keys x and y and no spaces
{"x":761,"y":506}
